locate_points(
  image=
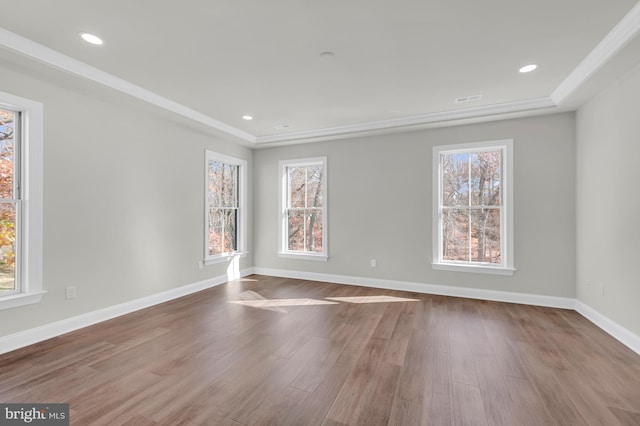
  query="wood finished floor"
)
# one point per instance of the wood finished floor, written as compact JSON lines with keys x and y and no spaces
{"x":307,"y":353}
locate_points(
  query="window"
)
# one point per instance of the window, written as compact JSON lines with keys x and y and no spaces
{"x":20,"y":201}
{"x":226,"y":180}
{"x":303,"y":196}
{"x":473,"y":225}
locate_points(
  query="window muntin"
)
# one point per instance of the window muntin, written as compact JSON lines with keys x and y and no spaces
{"x":304,"y":229}
{"x":473,"y":225}
{"x":225,"y":189}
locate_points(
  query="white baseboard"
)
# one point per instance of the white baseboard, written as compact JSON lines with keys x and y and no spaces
{"x":618,"y":332}
{"x":24,"y":338}
{"x":441,"y":290}
{"x":48,"y":331}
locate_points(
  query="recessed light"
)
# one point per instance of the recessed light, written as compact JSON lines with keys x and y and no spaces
{"x":528,"y":68}
{"x":247,"y":117}
{"x":282,"y":126}
{"x":90,"y":38}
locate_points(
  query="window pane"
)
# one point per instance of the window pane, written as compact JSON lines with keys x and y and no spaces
{"x":455,"y":234}
{"x":485,"y":178}
{"x":296,"y":230}
{"x":7,"y":247}
{"x":230,"y":230}
{"x":297,"y":186}
{"x":7,"y":120}
{"x":214,"y":190}
{"x":228,"y":181}
{"x":314,"y":230}
{"x":314,"y":186}
{"x":216,"y":222}
{"x":485,"y":235}
{"x":455,"y":179}
{"x":223,"y":234}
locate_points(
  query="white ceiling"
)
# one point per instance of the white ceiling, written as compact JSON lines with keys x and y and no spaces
{"x":395,"y":64}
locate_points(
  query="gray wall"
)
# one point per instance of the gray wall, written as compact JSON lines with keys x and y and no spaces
{"x":607,"y":202}
{"x":123,"y":198}
{"x":380,"y":205}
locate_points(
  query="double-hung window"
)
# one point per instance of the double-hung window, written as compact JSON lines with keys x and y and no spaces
{"x":473,"y":203}
{"x":226,"y":183}
{"x":303,"y":202}
{"x":20,"y":201}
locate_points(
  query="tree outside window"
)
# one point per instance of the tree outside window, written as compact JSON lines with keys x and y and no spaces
{"x":304,"y":207}
{"x":473,"y":216}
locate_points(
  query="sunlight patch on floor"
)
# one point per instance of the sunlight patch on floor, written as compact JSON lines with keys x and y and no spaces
{"x":372,"y":299}
{"x":256,"y":300}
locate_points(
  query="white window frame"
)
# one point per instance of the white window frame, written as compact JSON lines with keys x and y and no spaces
{"x":29,"y":288}
{"x":506,"y":267}
{"x":241,"y":187}
{"x":283,"y":250}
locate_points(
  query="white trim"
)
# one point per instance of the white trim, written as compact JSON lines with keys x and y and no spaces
{"x":66,"y":63}
{"x":48,"y":331}
{"x":242,"y":187}
{"x":20,"y":299}
{"x":28,"y":337}
{"x":478,"y":269}
{"x":31,"y":200}
{"x":303,"y":256}
{"x":507,"y":240}
{"x":614,"y":41}
{"x":618,"y":332}
{"x":441,"y":290}
{"x":282,"y":199}
{"x":414,"y":120}
{"x":225,"y":257}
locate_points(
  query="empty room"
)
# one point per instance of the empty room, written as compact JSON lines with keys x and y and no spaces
{"x":319,"y":213}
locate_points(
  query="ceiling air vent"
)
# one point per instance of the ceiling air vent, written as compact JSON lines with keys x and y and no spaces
{"x":468,"y":99}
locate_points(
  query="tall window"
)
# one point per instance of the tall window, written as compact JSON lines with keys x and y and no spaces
{"x":303,"y":213}
{"x":9,"y":201}
{"x":473,"y":219}
{"x":225,"y":204}
{"x":20,"y":201}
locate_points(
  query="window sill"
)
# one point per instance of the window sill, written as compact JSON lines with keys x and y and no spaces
{"x":473,"y":268}
{"x":304,"y":256}
{"x":222,"y":258}
{"x":20,"y":299}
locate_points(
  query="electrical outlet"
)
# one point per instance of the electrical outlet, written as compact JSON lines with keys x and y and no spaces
{"x":70,"y":293}
{"x":374,"y":263}
{"x":200,"y":264}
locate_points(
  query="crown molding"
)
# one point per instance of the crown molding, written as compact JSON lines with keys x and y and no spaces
{"x":414,"y":120}
{"x":612,"y":43}
{"x":63,"y":62}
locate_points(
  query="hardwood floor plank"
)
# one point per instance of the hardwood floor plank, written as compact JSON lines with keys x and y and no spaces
{"x":543,"y":375}
{"x":358,"y":386}
{"x":377,"y":407}
{"x":405,"y":413}
{"x":528,"y":408}
{"x":467,"y":406}
{"x":430,"y":360}
{"x":625,"y":417}
{"x":496,"y":399}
